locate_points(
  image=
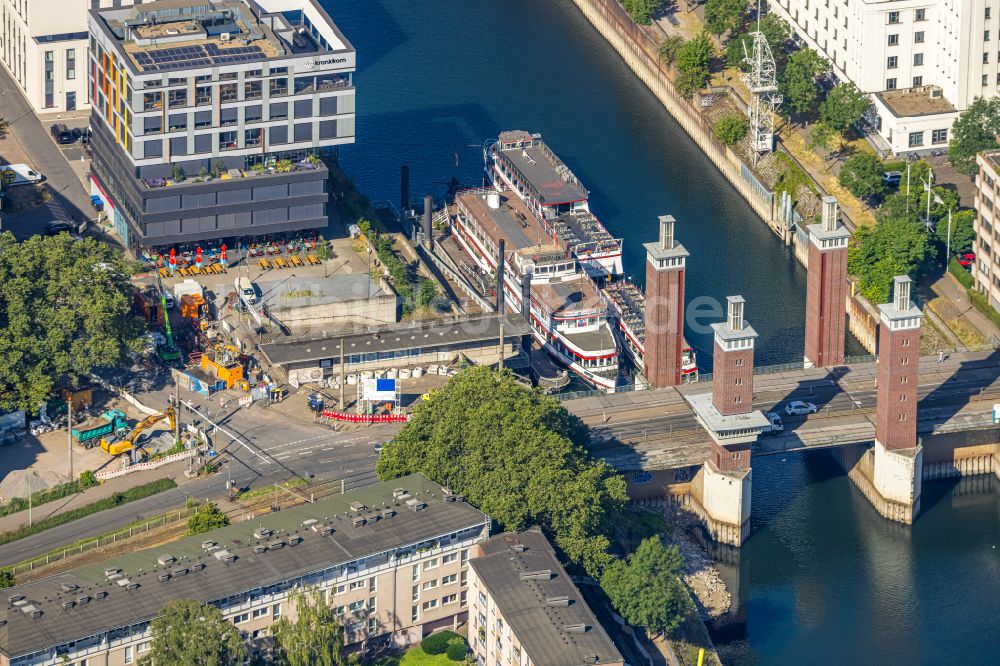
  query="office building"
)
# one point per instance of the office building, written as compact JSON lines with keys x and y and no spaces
{"x":922,"y":61}
{"x":391,"y":559}
{"x":986,"y":269}
{"x":209,"y":115}
{"x":525,"y":611}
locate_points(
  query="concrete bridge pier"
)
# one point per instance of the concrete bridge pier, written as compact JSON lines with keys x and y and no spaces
{"x":721,"y":500}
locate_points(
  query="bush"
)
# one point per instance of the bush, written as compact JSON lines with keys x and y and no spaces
{"x":731,"y":128}
{"x":962,"y":275}
{"x":438,"y":643}
{"x":456,"y":651}
{"x":207,"y":518}
{"x":6,"y":578}
{"x":87,"y":480}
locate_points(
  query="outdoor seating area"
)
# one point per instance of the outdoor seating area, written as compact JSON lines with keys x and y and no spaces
{"x":310,"y":163}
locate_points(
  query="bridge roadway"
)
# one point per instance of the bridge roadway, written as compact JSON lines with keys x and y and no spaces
{"x":657,"y":429}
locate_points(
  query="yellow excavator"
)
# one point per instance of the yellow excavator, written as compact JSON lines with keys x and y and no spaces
{"x":129,"y":442}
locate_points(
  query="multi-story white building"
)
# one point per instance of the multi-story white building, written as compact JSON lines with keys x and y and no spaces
{"x":43,"y":45}
{"x":391,"y":559}
{"x":986,"y":268}
{"x":525,"y":611}
{"x":923,"y":61}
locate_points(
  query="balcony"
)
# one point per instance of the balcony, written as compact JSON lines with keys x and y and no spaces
{"x":280,"y":167}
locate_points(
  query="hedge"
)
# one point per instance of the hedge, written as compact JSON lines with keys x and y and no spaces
{"x":130,"y":495}
{"x":457,"y":651}
{"x":437,"y":643}
{"x":960,"y":273}
{"x":50,"y":494}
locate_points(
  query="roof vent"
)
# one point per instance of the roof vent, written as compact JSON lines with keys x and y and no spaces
{"x":69,"y":587}
{"x":83,"y":599}
{"x":309,"y":522}
{"x":359,"y":521}
{"x":561,"y":600}
{"x":166,"y":559}
{"x":449,"y":497}
{"x":101,"y":594}
{"x":275,"y":545}
{"x":326,"y":531}
{"x":112,"y":571}
{"x":163,"y":577}
{"x":15,"y":598}
{"x":123,"y":582}
{"x":576,"y":628}
{"x":416,"y":505}
{"x":398,"y":492}
{"x":259,"y":548}
{"x":183,"y":571}
{"x":197,"y":566}
{"x":519,"y":548}
{"x":357,"y":507}
{"x":262,"y":533}
{"x":32,"y":611}
{"x":132,"y":586}
{"x":590,"y":658}
{"x":69,"y":603}
{"x":224,"y":555}
{"x":388,"y":513}
{"x":207,"y":544}
{"x":543,"y":574}
{"x":294,"y":540}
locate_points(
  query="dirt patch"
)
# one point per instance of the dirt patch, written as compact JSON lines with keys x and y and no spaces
{"x":23,"y":198}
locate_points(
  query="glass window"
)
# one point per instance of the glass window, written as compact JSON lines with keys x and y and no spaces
{"x":278,"y":86}
{"x":278,"y":111}
{"x":986,"y":58}
{"x":893,"y":40}
{"x":918,"y":37}
{"x":227,"y":141}
{"x":890,"y":84}
{"x":893,"y":17}
{"x":178,"y":121}
{"x":919,"y":14}
{"x":202,"y":95}
{"x":916,"y":139}
{"x":229,"y":116}
{"x":129,"y":656}
{"x":892,"y":62}
{"x":918,"y":81}
{"x":918,"y":59}
{"x":152,"y":101}
{"x":939,"y":136}
{"x":228,"y":92}
{"x":252,"y":113}
{"x":70,"y":64}
{"x":252,"y":90}
{"x":303,"y":132}
{"x":202,"y":118}
{"x":251,"y":137}
{"x":177,"y":98}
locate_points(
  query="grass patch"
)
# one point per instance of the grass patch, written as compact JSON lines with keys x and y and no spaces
{"x":791,"y":177}
{"x":416,"y":657}
{"x":263,"y":491}
{"x":130,"y":495}
{"x":982,"y":304}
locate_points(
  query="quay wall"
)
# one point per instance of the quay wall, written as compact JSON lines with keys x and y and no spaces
{"x":639,"y":51}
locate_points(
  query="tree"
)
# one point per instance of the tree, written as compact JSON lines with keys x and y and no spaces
{"x":6,"y":578}
{"x":723,"y":15}
{"x":516,"y":454}
{"x":426,"y":291}
{"x":731,"y":128}
{"x":87,"y":479}
{"x":739,"y":46}
{"x":669,"y":47}
{"x":962,"y":232}
{"x":797,"y":81}
{"x":65,"y":310}
{"x":974,"y":131}
{"x":189,"y":633}
{"x":819,"y":136}
{"x":641,"y":11}
{"x":896,"y":245}
{"x":692,"y":62}
{"x":315,"y":638}
{"x":843,"y":106}
{"x":207,"y":517}
{"x":862,"y":175}
{"x":645,"y":589}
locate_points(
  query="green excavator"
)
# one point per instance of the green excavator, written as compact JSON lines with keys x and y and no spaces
{"x":168,"y":353}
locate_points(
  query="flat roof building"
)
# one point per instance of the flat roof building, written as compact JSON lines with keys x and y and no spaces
{"x":986,"y":246}
{"x":525,"y":610}
{"x":209,"y":116}
{"x":391,"y":559}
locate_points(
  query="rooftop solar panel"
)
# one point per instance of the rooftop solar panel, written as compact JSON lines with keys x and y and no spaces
{"x":195,"y":56}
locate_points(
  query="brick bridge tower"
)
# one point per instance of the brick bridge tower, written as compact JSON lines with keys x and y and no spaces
{"x":665,"y":265}
{"x":898,"y":457}
{"x":732,"y":374}
{"x":826,"y":289}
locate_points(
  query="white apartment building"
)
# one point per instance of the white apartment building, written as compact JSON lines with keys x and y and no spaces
{"x":43,"y":45}
{"x":923,"y":61}
{"x":986,"y":268}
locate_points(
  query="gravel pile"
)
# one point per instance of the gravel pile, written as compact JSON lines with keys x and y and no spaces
{"x":700,"y":574}
{"x":16,"y":483}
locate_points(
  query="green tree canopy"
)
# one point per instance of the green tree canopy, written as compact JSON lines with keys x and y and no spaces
{"x":189,"y":633}
{"x":797,"y":81}
{"x":731,"y":128}
{"x":669,"y":47}
{"x":843,"y":106}
{"x":898,"y":244}
{"x":65,"y":310}
{"x":315,"y":637}
{"x":646,"y":589}
{"x":692,"y":62}
{"x":641,"y":11}
{"x":723,"y":15}
{"x":962,"y":232}
{"x":6,"y":578}
{"x":862,"y":175}
{"x":516,"y":454}
{"x":207,"y":517}
{"x":974,"y":131}
{"x":775,"y":32}
{"x":819,"y":135}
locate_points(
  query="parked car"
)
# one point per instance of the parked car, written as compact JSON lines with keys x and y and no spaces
{"x":63,"y":135}
{"x":967,"y":259}
{"x":892,"y":178}
{"x":799,"y":407}
{"x":774,"y":418}
{"x":59,"y":226}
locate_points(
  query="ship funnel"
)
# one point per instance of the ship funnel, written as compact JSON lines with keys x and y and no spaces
{"x":493,"y":200}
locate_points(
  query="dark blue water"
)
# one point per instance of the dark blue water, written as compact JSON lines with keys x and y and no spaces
{"x":822,"y":579}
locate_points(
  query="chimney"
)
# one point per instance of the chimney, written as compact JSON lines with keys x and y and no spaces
{"x":735,"y":313}
{"x":501,"y":251}
{"x":901,"y":290}
{"x":428,"y":231}
{"x":526,"y":297}
{"x":667,"y":232}
{"x":830,"y":214}
{"x":404,"y":188}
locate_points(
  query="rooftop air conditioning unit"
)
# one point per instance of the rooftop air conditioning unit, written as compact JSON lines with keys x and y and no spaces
{"x":936,"y":93}
{"x":225,"y":36}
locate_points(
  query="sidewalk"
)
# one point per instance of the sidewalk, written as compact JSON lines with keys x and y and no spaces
{"x":953,"y":304}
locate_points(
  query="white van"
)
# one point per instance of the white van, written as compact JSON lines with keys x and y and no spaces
{"x":23,"y":174}
{"x":244,"y":287}
{"x":774,"y":419}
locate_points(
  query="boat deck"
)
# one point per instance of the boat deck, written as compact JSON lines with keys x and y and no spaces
{"x":584,"y":229}
{"x":512,"y":221}
{"x":570,"y":296}
{"x":632,"y":305}
{"x":545,"y":173}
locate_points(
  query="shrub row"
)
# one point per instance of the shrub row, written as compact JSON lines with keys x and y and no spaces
{"x":50,"y":494}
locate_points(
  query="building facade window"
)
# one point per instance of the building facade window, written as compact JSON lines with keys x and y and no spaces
{"x":70,"y":64}
{"x":890,"y":84}
{"x":918,"y":37}
{"x":893,"y":17}
{"x":918,"y":59}
{"x":918,"y":81}
{"x":893,"y":40}
{"x":920,"y":15}
{"x":892,"y":62}
{"x":939,"y":136}
{"x":916,"y":139}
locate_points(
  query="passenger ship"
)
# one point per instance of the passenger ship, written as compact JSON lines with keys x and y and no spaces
{"x":627,"y":305}
{"x":567,"y":312}
{"x":520,"y":162}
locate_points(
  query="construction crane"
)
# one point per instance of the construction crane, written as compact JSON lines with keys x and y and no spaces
{"x":169,"y":353}
{"x":129,"y":443}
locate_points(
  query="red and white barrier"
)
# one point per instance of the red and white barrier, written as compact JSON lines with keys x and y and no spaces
{"x":104,"y":475}
{"x":349,"y":417}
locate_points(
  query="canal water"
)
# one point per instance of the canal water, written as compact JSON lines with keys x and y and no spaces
{"x":822,"y":579}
